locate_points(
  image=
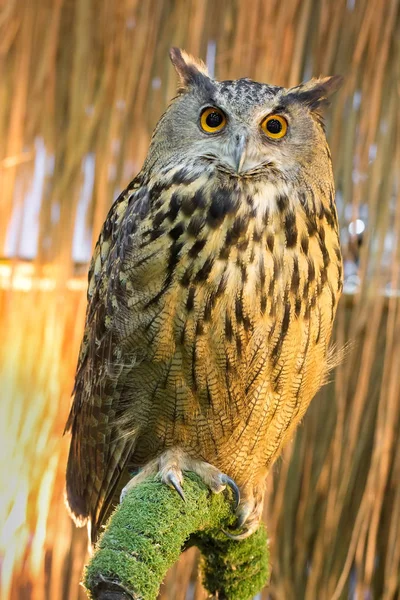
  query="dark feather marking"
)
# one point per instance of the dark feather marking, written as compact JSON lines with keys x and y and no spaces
{"x":177,"y":231}
{"x":184,"y":176}
{"x":255,"y":376}
{"x":257,"y":235}
{"x":238,"y":228}
{"x":340,"y":274}
{"x":276,"y":351}
{"x":247,"y":323}
{"x":330,"y":218}
{"x":188,"y":207}
{"x":205,"y":270}
{"x":174,"y":206}
{"x":224,"y":252}
{"x":311,"y":270}
{"x":243,"y":245}
{"x":325,"y":254}
{"x":222,"y":203}
{"x":197,"y":248}
{"x":243,"y":270}
{"x":194,"y":359}
{"x":195,"y":225}
{"x":271,"y":287}
{"x":306,"y":289}
{"x":270,"y":242}
{"x":333,"y":299}
{"x":277,"y":384}
{"x":238,"y":345}
{"x":210,"y":303}
{"x":159,"y":218}
{"x":187,"y":276}
{"x":290,"y":230}
{"x":199,"y":328}
{"x":182,"y":335}
{"x":173,"y":260}
{"x":304,"y":243}
{"x":317,"y":338}
{"x":294,"y":285}
{"x":199,"y":200}
{"x":239,"y":309}
{"x":311,"y":225}
{"x":155,"y":234}
{"x":190,"y":299}
{"x":282,"y":202}
{"x":222,"y":284}
{"x":263,"y":303}
{"x":297,"y":306}
{"x":228,"y":328}
{"x":262,"y":270}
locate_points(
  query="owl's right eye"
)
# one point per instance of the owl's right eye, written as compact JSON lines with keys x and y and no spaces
{"x":212,"y":119}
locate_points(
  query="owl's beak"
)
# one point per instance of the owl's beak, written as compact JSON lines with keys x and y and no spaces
{"x":239,"y":153}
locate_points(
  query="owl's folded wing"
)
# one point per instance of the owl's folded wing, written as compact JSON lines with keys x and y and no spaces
{"x":97,"y":455}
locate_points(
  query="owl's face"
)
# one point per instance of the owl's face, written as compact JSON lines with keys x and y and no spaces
{"x":242,"y":126}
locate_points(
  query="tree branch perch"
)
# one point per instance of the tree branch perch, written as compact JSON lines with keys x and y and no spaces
{"x":147,"y":532}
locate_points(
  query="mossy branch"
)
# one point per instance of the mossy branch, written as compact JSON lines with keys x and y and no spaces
{"x":148,"y":531}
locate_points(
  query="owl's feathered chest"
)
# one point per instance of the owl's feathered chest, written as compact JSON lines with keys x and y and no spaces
{"x":220,"y":300}
{"x":226,"y":255}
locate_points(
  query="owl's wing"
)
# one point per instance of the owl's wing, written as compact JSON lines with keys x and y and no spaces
{"x":97,"y":455}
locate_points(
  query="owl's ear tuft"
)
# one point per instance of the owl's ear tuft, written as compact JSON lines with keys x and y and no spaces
{"x":190,"y":70}
{"x":316,"y":92}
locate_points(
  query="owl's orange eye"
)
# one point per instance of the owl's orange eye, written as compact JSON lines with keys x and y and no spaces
{"x":274,"y":126}
{"x":212,"y":119}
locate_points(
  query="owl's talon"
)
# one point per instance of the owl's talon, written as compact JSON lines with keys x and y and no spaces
{"x":173,"y":481}
{"x":247,"y":532}
{"x":246,"y":522}
{"x":226,"y":480}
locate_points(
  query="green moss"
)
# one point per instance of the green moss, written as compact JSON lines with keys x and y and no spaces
{"x":145,"y":536}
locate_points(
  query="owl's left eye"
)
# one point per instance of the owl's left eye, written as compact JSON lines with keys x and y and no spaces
{"x":212,"y":119}
{"x":275,"y":126}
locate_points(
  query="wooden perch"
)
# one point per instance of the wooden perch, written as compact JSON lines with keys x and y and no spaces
{"x":148,"y":531}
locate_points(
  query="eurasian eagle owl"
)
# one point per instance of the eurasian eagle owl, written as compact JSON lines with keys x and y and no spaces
{"x":212,"y":292}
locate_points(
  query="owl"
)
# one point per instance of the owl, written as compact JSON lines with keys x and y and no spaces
{"x":212,"y":292}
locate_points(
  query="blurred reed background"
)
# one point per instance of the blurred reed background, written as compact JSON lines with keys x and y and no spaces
{"x":82,"y":83}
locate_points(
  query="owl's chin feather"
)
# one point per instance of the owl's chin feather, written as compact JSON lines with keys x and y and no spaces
{"x":247,"y":168}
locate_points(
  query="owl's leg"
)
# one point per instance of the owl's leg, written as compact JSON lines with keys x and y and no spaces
{"x":169,"y":468}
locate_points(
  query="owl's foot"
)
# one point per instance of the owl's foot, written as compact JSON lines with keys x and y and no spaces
{"x":169,"y":468}
{"x":249,"y":515}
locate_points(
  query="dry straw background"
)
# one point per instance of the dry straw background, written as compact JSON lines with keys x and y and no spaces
{"x":82,"y":83}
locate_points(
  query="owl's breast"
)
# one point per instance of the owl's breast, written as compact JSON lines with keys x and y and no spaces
{"x":229,"y":300}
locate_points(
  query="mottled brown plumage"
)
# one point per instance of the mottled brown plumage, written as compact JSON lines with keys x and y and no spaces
{"x":212,"y":292}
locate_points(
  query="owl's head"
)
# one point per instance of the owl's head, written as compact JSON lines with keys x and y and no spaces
{"x":243,"y":126}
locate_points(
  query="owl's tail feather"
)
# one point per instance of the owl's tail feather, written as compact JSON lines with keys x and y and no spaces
{"x":90,"y":499}
{"x":75,"y":499}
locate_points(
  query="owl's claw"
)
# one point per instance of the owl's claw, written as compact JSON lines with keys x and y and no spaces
{"x":247,"y":532}
{"x":249,"y":515}
{"x":173,"y":481}
{"x":225,"y":480}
